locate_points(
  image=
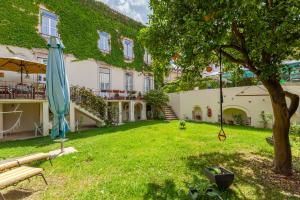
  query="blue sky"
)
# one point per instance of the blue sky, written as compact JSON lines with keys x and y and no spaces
{"x":136,"y":9}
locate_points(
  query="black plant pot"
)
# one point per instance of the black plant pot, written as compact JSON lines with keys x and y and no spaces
{"x":223,"y":180}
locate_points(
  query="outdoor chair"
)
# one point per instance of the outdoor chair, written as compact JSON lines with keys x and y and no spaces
{"x":17,"y":162}
{"x":38,"y":129}
{"x":8,"y":164}
{"x":34,"y":158}
{"x":17,"y":175}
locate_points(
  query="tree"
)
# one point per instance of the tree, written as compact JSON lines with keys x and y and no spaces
{"x":255,"y":34}
{"x":157,"y":99}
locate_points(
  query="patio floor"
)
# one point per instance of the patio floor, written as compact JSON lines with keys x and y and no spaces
{"x":20,"y":136}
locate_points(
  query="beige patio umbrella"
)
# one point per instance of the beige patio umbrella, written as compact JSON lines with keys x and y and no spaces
{"x":16,"y":64}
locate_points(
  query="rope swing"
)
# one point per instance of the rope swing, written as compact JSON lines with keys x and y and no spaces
{"x":222,"y":134}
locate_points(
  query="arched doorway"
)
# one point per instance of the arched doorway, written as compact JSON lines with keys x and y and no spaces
{"x":149,"y":112}
{"x":138,"y":107}
{"x":197,"y":113}
{"x":125,"y":112}
{"x":236,"y":116}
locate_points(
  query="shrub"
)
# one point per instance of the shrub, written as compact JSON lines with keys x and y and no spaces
{"x":157,"y":99}
{"x":265,"y":118}
{"x":182,"y":124}
{"x":295,"y":129}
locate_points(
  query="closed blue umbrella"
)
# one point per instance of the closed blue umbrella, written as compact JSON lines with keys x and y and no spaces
{"x":57,"y":88}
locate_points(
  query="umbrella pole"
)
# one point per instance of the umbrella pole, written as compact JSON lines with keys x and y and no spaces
{"x":21,"y":74}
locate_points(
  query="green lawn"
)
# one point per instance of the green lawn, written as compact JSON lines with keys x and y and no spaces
{"x":155,"y":160}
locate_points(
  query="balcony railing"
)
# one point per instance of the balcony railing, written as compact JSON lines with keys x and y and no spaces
{"x":118,"y":94}
{"x":14,"y":90}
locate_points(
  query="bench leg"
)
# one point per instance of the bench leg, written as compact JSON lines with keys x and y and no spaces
{"x":42,"y":175}
{"x":1,"y":196}
{"x":50,"y":160}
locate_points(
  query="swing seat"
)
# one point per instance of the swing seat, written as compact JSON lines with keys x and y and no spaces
{"x":222,"y":135}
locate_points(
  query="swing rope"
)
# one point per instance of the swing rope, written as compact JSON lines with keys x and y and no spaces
{"x":222,"y":134}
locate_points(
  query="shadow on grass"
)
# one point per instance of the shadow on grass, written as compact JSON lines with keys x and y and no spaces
{"x":251,"y":171}
{"x":17,"y":194}
{"x":46,"y":141}
{"x":167,"y":190}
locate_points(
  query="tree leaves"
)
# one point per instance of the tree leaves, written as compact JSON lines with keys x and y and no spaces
{"x":264,"y":34}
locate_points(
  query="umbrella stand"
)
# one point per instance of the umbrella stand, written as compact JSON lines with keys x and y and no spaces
{"x":61,"y":141}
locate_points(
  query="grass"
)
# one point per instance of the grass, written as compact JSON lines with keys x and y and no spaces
{"x":152,"y":160}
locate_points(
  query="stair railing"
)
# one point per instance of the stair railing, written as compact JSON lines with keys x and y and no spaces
{"x":85,"y":98}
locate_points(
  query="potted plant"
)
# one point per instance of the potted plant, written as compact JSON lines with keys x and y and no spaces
{"x":139,"y":96}
{"x":222,"y":177}
{"x":182,"y":124}
{"x":117,"y":96}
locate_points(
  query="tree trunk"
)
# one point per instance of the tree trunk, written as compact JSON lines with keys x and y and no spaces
{"x":282,"y":114}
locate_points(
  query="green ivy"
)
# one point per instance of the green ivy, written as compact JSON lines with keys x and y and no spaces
{"x":79,"y":21}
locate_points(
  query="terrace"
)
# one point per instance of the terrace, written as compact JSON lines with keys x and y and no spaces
{"x":118,"y":94}
{"x":17,"y":90}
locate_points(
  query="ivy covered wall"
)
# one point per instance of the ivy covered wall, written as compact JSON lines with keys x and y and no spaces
{"x":79,"y":21}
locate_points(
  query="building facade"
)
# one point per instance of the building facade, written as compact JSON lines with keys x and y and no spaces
{"x":116,"y":69}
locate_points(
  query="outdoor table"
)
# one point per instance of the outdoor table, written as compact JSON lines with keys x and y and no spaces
{"x":23,"y":89}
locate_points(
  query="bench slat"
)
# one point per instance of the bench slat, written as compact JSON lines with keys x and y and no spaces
{"x":19,"y":174}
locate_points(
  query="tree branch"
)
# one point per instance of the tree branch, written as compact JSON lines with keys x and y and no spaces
{"x":232,"y":58}
{"x":238,"y":34}
{"x":294,"y":102}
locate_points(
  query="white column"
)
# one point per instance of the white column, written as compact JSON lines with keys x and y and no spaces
{"x":144,"y":111}
{"x":120,"y":112}
{"x":131,"y":111}
{"x":1,"y":120}
{"x":45,"y":118}
{"x":72,"y":117}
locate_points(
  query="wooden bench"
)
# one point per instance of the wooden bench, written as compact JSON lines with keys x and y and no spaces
{"x":17,"y":162}
{"x":15,"y":176}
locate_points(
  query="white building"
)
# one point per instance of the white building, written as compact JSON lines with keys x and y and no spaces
{"x":23,"y":112}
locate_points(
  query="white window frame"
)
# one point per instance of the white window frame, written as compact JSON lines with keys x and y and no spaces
{"x":42,"y":77}
{"x":107,"y":44}
{"x":126,"y":49}
{"x":109,"y":76}
{"x":147,"y":58}
{"x":150,"y":87}
{"x":126,"y":85}
{"x":51,"y":17}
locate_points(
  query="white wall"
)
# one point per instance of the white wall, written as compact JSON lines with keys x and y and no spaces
{"x":251,"y":100}
{"x":30,"y":115}
{"x":83,"y":73}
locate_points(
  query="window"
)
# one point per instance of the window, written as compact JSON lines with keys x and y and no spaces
{"x":147,"y":58}
{"x":128,"y":49}
{"x":49,"y":23}
{"x":104,"y":42}
{"x":148,"y":83}
{"x":41,"y":78}
{"x":128,"y":81}
{"x":104,"y":76}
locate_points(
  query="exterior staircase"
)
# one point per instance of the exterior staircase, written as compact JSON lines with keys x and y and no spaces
{"x":89,"y":113}
{"x":85,"y":102}
{"x":169,"y":113}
